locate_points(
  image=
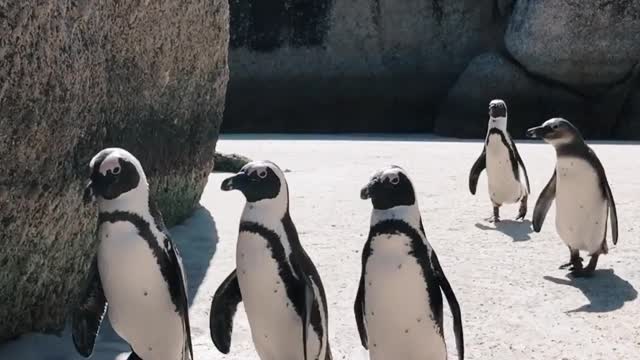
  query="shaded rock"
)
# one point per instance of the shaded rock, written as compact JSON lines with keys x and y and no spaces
{"x":576,"y":42}
{"x":76,"y":77}
{"x":350,"y":65}
{"x":231,"y":163}
{"x":529,"y":101}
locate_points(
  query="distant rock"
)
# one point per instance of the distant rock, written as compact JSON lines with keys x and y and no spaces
{"x":578,"y":43}
{"x":79,"y":76}
{"x":231,"y":163}
{"x":491,"y":76}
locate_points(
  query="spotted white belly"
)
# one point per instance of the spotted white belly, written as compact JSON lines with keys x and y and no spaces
{"x":140,"y":306}
{"x":581,"y":208}
{"x":276,"y":328}
{"x":504,"y":188}
{"x":398,"y":317}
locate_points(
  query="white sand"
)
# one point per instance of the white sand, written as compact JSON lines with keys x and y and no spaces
{"x":516,"y":304}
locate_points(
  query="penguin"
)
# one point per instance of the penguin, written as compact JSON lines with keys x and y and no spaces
{"x":137,"y":273}
{"x":274,"y":277}
{"x":398,"y":306}
{"x":505,"y":168}
{"x":583,"y":196}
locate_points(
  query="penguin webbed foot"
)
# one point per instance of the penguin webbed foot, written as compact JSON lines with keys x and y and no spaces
{"x":574,"y":264}
{"x":496,"y":215}
{"x":522,"y":212}
{"x":589,"y":270}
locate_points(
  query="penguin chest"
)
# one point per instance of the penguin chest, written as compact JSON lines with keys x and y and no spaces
{"x":140,"y":307}
{"x":581,"y":208}
{"x":276,"y":327}
{"x":399,"y":319}
{"x":504,"y":187}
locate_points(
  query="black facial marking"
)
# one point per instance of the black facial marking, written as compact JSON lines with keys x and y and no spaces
{"x":114,"y":183}
{"x":257,"y":188}
{"x":419,"y":250}
{"x":386,"y":195}
{"x":497,"y":110}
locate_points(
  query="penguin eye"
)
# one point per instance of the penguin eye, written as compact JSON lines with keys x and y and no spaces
{"x":554,"y":127}
{"x":395,"y":180}
{"x":262,"y":174}
{"x":116,"y":170}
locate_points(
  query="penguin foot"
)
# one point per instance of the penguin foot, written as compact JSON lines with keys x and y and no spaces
{"x":572,"y":265}
{"x":494,"y":219}
{"x":521,"y":216}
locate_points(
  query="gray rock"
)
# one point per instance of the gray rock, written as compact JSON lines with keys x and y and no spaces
{"x":76,"y":77}
{"x":529,"y":101}
{"x":350,"y":65}
{"x":231,"y":163}
{"x":576,"y":42}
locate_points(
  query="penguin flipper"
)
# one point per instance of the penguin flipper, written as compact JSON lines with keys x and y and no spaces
{"x":87,"y":316}
{"x":358,"y":309}
{"x":476,"y":169}
{"x":613,"y":214}
{"x":606,"y":189}
{"x":453,"y":304}
{"x":183,"y":300}
{"x":223,"y":309}
{"x":543,"y":204}
{"x":521,"y":163}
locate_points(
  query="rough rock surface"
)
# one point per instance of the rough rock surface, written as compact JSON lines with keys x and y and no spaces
{"x":532,"y":99}
{"x":350,"y":65}
{"x":229,"y":162}
{"x":576,"y":42}
{"x":79,"y":76}
{"x":492,"y":76}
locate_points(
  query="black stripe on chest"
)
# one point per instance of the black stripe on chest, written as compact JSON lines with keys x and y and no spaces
{"x":420,"y":251}
{"x":512,"y":155}
{"x":294,"y":287}
{"x":162,"y":258}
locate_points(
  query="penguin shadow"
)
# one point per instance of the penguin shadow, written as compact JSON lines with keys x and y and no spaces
{"x":196,"y":239}
{"x":606,"y":291}
{"x":517,"y":230}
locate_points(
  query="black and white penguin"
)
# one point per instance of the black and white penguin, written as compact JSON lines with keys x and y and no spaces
{"x":505,"y":168}
{"x":398,"y":306}
{"x":582,"y":193}
{"x":274,"y":277}
{"x":137,"y":273}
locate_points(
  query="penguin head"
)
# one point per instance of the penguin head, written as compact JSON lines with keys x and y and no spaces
{"x":115,"y":174}
{"x":556,"y":131}
{"x":388,"y":188}
{"x":258,"y":181}
{"x":498,"y":115}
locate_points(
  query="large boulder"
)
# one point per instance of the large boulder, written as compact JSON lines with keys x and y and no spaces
{"x":350,"y":65}
{"x":578,"y":43}
{"x":79,"y":76}
{"x":529,"y":101}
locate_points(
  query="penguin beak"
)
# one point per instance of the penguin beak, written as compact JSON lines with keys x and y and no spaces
{"x":368,"y":191}
{"x":236,"y":182}
{"x":364,"y":193}
{"x":89,"y":195}
{"x":538,"y":132}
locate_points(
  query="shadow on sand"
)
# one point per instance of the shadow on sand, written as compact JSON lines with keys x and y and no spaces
{"x":517,"y":230}
{"x":606,"y":291}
